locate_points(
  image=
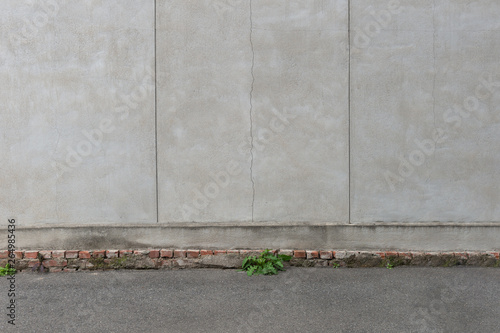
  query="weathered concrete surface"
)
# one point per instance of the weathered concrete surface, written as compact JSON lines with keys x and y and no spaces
{"x":259,"y":235}
{"x":77,"y":117}
{"x":300,"y":111}
{"x":425,"y":124}
{"x":253,"y":122}
{"x":252,"y":111}
{"x":204,"y":81}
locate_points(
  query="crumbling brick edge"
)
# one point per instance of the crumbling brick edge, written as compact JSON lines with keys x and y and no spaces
{"x":77,"y":260}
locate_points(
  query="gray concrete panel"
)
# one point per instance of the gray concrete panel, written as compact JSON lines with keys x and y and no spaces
{"x":300,"y":111}
{"x":260,"y":235}
{"x":425,"y":90}
{"x":204,"y":64}
{"x":77,"y":116}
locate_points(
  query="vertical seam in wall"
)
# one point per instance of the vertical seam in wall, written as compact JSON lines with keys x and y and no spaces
{"x":349,"y":104}
{"x":251,"y":111}
{"x":156,"y":120}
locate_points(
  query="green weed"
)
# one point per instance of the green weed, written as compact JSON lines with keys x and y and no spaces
{"x":266,"y":263}
{"x":7,"y":270}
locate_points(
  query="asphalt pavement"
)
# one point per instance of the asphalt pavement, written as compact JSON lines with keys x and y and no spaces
{"x":403,"y":299}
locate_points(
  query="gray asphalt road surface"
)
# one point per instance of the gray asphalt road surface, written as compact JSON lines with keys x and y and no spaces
{"x":298,"y":300}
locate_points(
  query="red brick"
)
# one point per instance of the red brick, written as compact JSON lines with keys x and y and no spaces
{"x":391,"y":254}
{"x":32,"y":263}
{"x":461,"y":255}
{"x":84,"y":254}
{"x":124,"y":253}
{"x":4,"y":254}
{"x":193,"y":253}
{"x":216,"y":252}
{"x":312,"y":254}
{"x":180,"y":253}
{"x":58,"y":254}
{"x":46,"y":254}
{"x":153,"y":254}
{"x":496,"y":254}
{"x":246,"y":252}
{"x":18,"y":254}
{"x":206,"y":252}
{"x":406,"y":255}
{"x":71,"y":254}
{"x":112,"y":253}
{"x":299,"y":254}
{"x":166,"y":253}
{"x":233,"y":252}
{"x":99,"y":254}
{"x":55,"y":263}
{"x":325,"y":254}
{"x":31,"y":254}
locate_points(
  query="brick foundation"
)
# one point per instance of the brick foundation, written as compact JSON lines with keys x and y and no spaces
{"x":73,"y":260}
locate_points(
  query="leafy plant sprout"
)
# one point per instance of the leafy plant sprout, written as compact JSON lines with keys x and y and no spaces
{"x":7,"y":270}
{"x":266,"y":263}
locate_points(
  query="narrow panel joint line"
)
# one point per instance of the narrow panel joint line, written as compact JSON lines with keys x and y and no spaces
{"x":156,"y":120}
{"x":251,"y":111}
{"x":349,"y":106}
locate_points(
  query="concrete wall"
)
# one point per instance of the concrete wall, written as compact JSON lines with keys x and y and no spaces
{"x":78,"y":111}
{"x":425,"y":115}
{"x":320,"y":112}
{"x":252,"y":111}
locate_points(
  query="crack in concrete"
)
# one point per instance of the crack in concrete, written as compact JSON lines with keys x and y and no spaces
{"x":251,"y":111}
